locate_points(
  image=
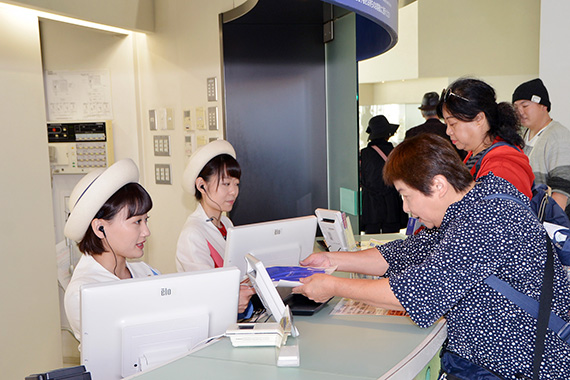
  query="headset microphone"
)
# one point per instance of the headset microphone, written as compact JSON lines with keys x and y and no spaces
{"x":102,"y":229}
{"x":217,"y":204}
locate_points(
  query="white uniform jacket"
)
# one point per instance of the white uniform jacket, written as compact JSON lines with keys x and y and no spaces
{"x":198,"y":239}
{"x":89,"y":271}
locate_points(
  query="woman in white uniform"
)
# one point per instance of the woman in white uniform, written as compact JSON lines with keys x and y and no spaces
{"x":212,"y":176}
{"x":108,"y":220}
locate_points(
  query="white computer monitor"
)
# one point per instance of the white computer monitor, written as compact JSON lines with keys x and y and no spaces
{"x":279,"y":242}
{"x":130,"y":325}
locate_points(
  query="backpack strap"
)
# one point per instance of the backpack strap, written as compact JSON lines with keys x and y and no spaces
{"x":495,"y":145}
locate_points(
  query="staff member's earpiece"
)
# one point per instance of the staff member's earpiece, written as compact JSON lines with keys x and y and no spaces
{"x":102,"y":229}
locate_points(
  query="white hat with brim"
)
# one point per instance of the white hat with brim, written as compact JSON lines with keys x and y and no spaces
{"x":200,"y":158}
{"x":91,"y":193}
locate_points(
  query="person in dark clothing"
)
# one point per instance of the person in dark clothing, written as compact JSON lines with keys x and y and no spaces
{"x":382,"y":210}
{"x":428,"y":109}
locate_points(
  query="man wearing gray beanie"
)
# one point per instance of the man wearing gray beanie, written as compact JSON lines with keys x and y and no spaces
{"x":547,"y":141}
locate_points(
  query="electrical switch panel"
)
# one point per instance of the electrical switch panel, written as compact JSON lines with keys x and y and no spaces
{"x":164,"y":118}
{"x":212,"y":118}
{"x":188,"y":146}
{"x":201,"y":140}
{"x":212,"y":89}
{"x":152,"y":120}
{"x":161,"y":145}
{"x":79,"y":147}
{"x":187,"y":121}
{"x":200,"y":123}
{"x":162,"y":174}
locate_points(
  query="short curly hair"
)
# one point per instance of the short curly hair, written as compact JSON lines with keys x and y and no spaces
{"x":416,"y":161}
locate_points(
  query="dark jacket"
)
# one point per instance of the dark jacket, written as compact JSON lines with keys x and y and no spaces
{"x":434,"y":126}
{"x":381,"y":204}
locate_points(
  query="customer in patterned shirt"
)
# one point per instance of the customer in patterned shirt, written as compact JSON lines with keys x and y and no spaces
{"x":440,"y":272}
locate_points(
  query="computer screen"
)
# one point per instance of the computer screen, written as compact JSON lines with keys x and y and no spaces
{"x":130,"y":325}
{"x":279,"y":242}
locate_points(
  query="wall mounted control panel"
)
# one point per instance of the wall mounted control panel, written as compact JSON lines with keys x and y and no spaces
{"x":79,"y":147}
{"x":162,"y":174}
{"x":212,"y":89}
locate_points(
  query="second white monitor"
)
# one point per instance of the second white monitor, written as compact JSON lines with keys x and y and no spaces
{"x":279,"y":242}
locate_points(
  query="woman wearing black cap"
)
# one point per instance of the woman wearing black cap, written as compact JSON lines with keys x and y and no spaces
{"x":381,"y":204}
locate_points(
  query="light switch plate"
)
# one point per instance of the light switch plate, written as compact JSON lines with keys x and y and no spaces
{"x":201,"y":140}
{"x":169,"y":119}
{"x":212,"y":89}
{"x":164,"y":118}
{"x":152,"y":119}
{"x":161,"y":145}
{"x":187,"y":120}
{"x":200,"y":122}
{"x":188,"y":148}
{"x":212,"y":118}
{"x":162,"y":174}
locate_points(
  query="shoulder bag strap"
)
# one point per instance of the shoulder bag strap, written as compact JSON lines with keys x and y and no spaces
{"x":541,"y":310}
{"x":382,"y":154}
{"x":544,"y":309}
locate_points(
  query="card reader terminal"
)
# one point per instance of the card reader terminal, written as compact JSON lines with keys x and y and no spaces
{"x":255,"y":334}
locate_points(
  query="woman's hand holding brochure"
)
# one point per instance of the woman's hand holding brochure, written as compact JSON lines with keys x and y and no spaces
{"x":289,"y":276}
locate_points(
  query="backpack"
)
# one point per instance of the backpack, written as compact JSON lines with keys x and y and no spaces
{"x":541,"y":203}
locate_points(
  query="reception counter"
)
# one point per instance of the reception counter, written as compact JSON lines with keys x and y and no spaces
{"x":330,"y":346}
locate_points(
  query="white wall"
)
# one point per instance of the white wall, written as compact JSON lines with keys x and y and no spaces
{"x":441,"y":40}
{"x":555,"y":56}
{"x":452,"y":38}
{"x":402,"y":61}
{"x":165,"y":69}
{"x":174,"y":63}
{"x":483,"y":37}
{"x":29,"y":316}
{"x":130,"y":14}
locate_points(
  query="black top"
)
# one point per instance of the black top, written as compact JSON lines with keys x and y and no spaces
{"x":381,"y":204}
{"x":433,"y":126}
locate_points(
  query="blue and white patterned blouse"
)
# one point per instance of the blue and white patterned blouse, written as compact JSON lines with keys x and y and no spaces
{"x":440,"y":272}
